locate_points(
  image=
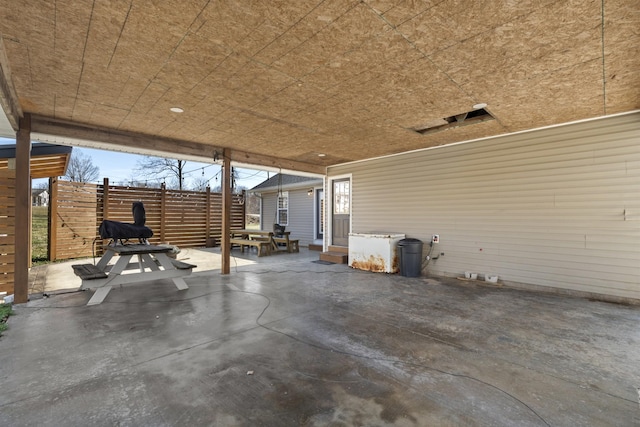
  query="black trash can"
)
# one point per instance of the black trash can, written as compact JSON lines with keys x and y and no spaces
{"x":410,"y":257}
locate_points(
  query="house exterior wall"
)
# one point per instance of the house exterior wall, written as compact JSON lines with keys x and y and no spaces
{"x":557,"y":207}
{"x":300,"y":214}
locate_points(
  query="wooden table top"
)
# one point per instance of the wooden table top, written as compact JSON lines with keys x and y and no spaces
{"x":137,"y":249}
{"x":259,"y":232}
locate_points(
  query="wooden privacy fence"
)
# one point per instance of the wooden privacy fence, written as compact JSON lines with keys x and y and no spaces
{"x":7,"y":229}
{"x":181,"y":218}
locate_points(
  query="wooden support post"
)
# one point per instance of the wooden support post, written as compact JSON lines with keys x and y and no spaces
{"x":23,"y":200}
{"x":225,"y":248}
{"x":53,"y":219}
{"x":30,"y":216}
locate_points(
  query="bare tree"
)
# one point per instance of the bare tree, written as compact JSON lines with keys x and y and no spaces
{"x":41,"y":185}
{"x":199,"y":184}
{"x":134,"y":181}
{"x":234,"y":188}
{"x":253,"y":203}
{"x":81,"y":168}
{"x":158,"y":168}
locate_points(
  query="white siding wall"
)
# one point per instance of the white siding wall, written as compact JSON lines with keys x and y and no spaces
{"x":557,"y":207}
{"x":300,"y":214}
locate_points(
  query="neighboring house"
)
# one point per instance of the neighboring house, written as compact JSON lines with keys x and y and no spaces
{"x":39,"y":197}
{"x":297,"y":202}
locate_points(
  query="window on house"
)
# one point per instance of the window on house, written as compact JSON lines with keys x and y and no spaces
{"x":283,"y":208}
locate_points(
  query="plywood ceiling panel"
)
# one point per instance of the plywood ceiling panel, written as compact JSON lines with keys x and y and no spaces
{"x":622,"y":63}
{"x":345,"y":78}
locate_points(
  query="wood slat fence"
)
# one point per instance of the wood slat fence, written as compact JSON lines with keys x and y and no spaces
{"x":7,"y":229}
{"x":181,"y":218}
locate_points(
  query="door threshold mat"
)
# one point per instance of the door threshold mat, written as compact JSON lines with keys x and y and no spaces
{"x":323,"y":262}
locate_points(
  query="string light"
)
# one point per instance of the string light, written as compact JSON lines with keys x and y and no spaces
{"x":238,"y":175}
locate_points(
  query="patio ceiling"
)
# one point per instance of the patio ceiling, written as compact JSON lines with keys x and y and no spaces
{"x":303,"y":85}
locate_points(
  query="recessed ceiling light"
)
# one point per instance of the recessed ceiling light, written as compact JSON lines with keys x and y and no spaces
{"x":480,"y":105}
{"x":176,"y":110}
{"x":321,"y":155}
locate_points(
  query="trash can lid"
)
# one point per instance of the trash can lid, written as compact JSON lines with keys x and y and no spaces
{"x":408,"y":241}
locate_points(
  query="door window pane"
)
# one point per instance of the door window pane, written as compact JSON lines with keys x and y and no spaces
{"x":321,"y":224}
{"x":341,"y":197}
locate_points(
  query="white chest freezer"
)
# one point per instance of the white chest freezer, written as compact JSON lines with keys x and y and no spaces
{"x":374,"y":251}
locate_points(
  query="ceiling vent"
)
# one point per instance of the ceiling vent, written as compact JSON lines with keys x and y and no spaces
{"x":469,"y":118}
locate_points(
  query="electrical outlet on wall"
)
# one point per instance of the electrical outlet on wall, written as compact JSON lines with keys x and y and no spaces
{"x":435,"y":238}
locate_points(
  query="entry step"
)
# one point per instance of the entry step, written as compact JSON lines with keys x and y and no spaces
{"x":340,"y":249}
{"x":335,"y":257}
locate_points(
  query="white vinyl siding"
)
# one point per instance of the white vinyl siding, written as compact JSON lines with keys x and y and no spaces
{"x":557,"y":207}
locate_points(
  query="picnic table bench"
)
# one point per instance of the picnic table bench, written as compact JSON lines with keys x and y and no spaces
{"x":153,"y":264}
{"x":291,"y":245}
{"x":265,"y":241}
{"x":264,"y":247}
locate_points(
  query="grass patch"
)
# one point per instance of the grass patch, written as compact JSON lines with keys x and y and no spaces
{"x":5,"y":311}
{"x":39,"y":235}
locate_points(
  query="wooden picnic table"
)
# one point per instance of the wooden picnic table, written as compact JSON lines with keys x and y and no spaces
{"x":153,"y":264}
{"x":261,"y":235}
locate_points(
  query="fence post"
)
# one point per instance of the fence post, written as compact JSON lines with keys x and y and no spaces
{"x":207,"y":238}
{"x":163,"y":211}
{"x":105,"y":198}
{"x":244,"y":208}
{"x":53,"y":219}
{"x":105,"y":210}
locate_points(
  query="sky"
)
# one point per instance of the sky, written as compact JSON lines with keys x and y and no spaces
{"x":119,"y":168}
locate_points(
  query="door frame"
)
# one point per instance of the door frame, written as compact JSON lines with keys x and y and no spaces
{"x":317,"y":236}
{"x":328,"y":194}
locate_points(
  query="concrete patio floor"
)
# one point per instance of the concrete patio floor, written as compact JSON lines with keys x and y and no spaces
{"x":284,"y":341}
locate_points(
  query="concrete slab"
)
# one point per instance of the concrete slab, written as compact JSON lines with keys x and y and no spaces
{"x":284,"y":341}
{"x":55,"y":277}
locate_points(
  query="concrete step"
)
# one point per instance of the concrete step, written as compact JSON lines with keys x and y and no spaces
{"x":335,"y":257}
{"x":340,"y":249}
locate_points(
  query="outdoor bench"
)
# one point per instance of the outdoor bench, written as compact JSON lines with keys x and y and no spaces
{"x":264,"y":247}
{"x":88,"y":271}
{"x":179,"y":265}
{"x":292,"y":244}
